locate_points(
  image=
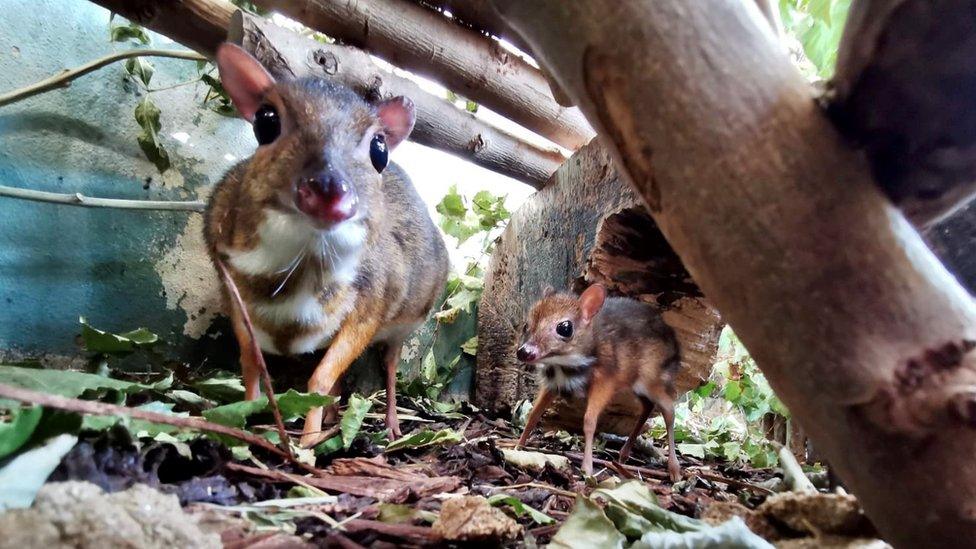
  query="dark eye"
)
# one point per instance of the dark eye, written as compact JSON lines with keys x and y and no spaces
{"x":565,"y":329}
{"x":267,"y":125}
{"x":378,"y":153}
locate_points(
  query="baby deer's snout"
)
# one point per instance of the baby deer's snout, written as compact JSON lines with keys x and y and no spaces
{"x":527,"y":353}
{"x":326,"y":196}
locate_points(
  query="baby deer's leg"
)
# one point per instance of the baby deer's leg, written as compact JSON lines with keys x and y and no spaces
{"x":349,"y":342}
{"x":538,"y":408}
{"x":392,"y":358}
{"x":601,"y":391}
{"x":647,"y":407}
{"x":664,"y":398}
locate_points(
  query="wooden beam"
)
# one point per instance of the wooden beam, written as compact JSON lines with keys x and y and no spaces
{"x":858,"y":327}
{"x":203,"y":24}
{"x":466,"y":62}
{"x":440,"y":124}
{"x":905,"y":90}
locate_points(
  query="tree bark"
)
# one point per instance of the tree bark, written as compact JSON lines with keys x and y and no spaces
{"x":466,"y":62}
{"x":200,"y":25}
{"x":203,"y":25}
{"x":585,"y":226}
{"x":904,"y":90}
{"x":439,"y":124}
{"x":480,"y":16}
{"x":857,"y":326}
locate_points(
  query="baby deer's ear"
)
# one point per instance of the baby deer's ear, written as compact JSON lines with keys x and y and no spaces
{"x":548,"y":290}
{"x":244,"y":79}
{"x":397,"y":116}
{"x":592,"y":301}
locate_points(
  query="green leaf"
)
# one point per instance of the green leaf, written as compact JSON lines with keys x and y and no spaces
{"x":99,"y":341}
{"x":18,"y":430}
{"x":398,"y":513}
{"x":470,"y":106}
{"x":140,"y":68}
{"x":423,"y":438}
{"x":690,"y":449}
{"x":352,"y":418}
{"x":470,"y":346}
{"x":65,"y":382}
{"x":452,"y":205}
{"x":520,"y":508}
{"x":464,"y":298}
{"x":330,"y":446}
{"x":222,"y":387}
{"x":147,"y":116}
{"x":24,"y":475}
{"x":428,"y":367}
{"x":292,"y":404}
{"x":732,"y":534}
{"x":586,"y":527}
{"x":124,"y":33}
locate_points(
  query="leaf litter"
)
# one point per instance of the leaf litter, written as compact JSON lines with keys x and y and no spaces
{"x":454,"y":476}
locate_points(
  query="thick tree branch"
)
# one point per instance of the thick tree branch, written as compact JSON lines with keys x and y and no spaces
{"x":200,"y":25}
{"x":64,"y":78}
{"x":467,"y":62}
{"x":78,"y":199}
{"x":857,"y":326}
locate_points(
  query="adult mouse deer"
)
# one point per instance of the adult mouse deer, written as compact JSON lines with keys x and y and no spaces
{"x":595,"y":346}
{"x":329,"y":244}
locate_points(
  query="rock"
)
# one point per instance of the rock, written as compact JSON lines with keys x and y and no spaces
{"x":472,"y":518}
{"x":816,"y":513}
{"x":80,"y":514}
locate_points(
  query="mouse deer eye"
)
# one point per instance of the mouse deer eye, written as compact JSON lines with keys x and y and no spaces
{"x":378,"y":152}
{"x":267,"y":124}
{"x":565,"y":329}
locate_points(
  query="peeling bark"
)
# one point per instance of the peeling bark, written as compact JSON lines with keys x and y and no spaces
{"x":781,"y":225}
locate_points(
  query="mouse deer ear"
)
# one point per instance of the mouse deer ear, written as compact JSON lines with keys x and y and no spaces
{"x":548,"y":290}
{"x":244,"y":79}
{"x":592,"y":301}
{"x":397,"y":116}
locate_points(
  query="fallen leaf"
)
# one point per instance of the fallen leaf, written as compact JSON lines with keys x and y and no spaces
{"x":534,"y":461}
{"x":24,"y":475}
{"x":425,"y":437}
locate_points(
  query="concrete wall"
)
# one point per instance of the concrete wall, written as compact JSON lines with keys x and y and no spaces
{"x":120,"y":269}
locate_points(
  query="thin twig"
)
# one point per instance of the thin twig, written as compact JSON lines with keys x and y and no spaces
{"x":256,"y":354}
{"x":793,"y":474}
{"x":78,"y":199}
{"x":64,"y":78}
{"x":104,"y":409}
{"x":539,"y":485}
{"x":730,"y":481}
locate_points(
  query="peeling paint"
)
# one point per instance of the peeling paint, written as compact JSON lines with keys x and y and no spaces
{"x":189,"y":279}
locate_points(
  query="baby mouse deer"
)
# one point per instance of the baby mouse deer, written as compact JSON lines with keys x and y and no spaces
{"x":594,"y":346}
{"x":328,"y":243}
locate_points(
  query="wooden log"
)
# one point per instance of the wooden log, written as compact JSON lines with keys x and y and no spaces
{"x":905,"y":90}
{"x":203,"y":24}
{"x":439,"y":124}
{"x":480,"y":16}
{"x":586,"y":226}
{"x":466,"y":62}
{"x":857,"y":326}
{"x":200,"y":25}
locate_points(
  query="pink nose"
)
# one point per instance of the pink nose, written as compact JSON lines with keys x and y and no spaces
{"x":326,"y":198}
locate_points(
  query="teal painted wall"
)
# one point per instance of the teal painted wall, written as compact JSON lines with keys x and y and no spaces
{"x":60,"y":262}
{"x":120,"y":269}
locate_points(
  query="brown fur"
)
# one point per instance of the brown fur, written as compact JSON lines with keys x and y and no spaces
{"x":403,"y":265}
{"x":628,"y":346}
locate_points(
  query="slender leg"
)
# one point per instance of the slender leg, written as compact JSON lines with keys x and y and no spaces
{"x":538,"y":408}
{"x":647,"y":408}
{"x":349,"y":342}
{"x":249,"y":368}
{"x":332,"y":412}
{"x":667,"y":411}
{"x":392,"y":358}
{"x":601,"y":392}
